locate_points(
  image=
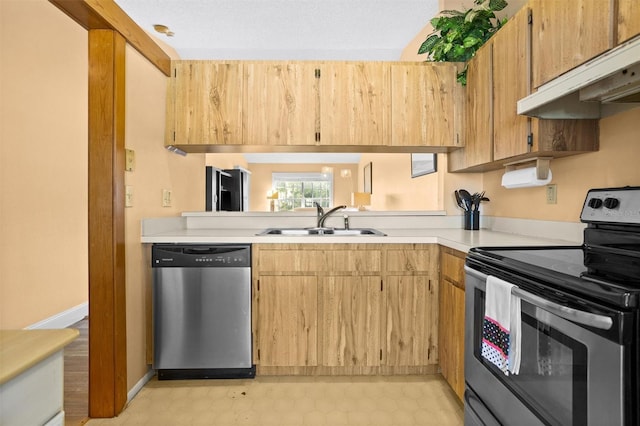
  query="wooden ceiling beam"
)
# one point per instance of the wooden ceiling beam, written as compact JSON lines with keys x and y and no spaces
{"x":107,"y":15}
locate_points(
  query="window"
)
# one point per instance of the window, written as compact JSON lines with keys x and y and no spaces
{"x":302,"y":189}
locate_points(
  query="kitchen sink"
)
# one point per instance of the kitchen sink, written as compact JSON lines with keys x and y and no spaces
{"x":322,"y":231}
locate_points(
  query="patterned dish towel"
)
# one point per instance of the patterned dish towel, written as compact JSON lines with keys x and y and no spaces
{"x":501,"y":328}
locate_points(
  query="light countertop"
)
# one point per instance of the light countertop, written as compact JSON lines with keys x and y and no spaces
{"x":22,"y":349}
{"x":455,"y":238}
{"x":399,"y":227}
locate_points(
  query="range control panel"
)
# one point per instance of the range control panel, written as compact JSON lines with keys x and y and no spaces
{"x":200,"y":256}
{"x":612,"y":205}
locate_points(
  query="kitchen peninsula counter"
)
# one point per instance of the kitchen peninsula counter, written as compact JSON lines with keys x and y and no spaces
{"x":22,"y":349}
{"x":31,"y":375}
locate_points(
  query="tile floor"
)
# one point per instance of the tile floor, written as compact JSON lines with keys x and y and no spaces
{"x":295,"y":401}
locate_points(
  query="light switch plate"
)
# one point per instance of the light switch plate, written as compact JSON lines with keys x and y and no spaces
{"x":128,"y":196}
{"x":129,"y":160}
{"x":552,"y":194}
{"x":166,"y":198}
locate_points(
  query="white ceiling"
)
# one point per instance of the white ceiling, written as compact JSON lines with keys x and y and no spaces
{"x":285,"y":29}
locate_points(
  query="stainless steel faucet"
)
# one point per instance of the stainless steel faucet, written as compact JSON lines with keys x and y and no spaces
{"x":322,"y":215}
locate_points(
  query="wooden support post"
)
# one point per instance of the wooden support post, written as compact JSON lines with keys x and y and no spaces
{"x":107,"y":325}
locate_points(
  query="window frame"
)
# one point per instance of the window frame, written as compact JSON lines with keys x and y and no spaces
{"x":303,"y":177}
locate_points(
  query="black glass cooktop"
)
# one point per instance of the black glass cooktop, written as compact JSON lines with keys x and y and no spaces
{"x":601,"y":276}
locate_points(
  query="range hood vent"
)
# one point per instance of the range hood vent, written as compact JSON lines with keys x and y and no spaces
{"x":607,"y":84}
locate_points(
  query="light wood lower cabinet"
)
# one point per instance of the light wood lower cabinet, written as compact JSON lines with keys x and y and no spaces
{"x":411,"y":321}
{"x":288,"y":321}
{"x":451,"y":326}
{"x":345,"y":308}
{"x":351,"y":320}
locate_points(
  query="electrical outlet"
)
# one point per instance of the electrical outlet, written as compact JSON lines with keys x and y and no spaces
{"x":129,"y":160}
{"x":552,"y":194}
{"x":166,"y":198}
{"x":128,"y":196}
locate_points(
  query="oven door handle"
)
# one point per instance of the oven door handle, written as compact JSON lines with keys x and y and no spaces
{"x":581,"y":317}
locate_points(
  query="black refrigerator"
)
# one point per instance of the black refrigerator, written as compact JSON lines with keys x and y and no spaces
{"x":227,"y":189}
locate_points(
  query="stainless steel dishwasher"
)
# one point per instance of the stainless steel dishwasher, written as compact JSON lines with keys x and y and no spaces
{"x":202,"y":311}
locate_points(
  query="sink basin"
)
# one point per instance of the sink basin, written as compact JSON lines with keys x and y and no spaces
{"x":322,"y":231}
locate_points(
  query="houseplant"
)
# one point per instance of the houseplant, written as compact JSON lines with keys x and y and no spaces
{"x":458,"y":35}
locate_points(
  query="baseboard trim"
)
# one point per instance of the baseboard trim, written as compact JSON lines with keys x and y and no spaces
{"x":63,"y":319}
{"x":138,"y":386}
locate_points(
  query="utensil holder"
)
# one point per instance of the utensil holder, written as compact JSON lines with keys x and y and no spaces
{"x":472,"y":220}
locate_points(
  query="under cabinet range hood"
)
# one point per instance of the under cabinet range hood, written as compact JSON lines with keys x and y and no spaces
{"x":605,"y":85}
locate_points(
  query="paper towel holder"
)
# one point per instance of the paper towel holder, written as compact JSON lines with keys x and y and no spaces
{"x":542,"y":166}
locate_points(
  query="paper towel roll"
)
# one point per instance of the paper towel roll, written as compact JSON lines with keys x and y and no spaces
{"x":524,"y":178}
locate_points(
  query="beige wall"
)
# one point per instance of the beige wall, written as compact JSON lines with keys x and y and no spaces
{"x":43,"y":162}
{"x":615,"y":164}
{"x":393,"y":188}
{"x":156,"y":169}
{"x":43,"y":171}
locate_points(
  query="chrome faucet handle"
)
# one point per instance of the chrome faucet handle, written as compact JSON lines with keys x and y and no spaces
{"x":346,"y":221}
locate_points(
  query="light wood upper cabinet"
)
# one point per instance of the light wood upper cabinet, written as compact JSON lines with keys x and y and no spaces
{"x":426,"y":105}
{"x":628,"y":19}
{"x":204,"y":103}
{"x":306,"y":104}
{"x":478,"y":127}
{"x":280,"y":103}
{"x":451,"y":320}
{"x":511,"y":49}
{"x":567,"y":34}
{"x":498,"y":76}
{"x":351,"y":321}
{"x":354,"y":103}
{"x":288,"y":321}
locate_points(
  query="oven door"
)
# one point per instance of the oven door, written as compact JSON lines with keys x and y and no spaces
{"x":570,"y":374}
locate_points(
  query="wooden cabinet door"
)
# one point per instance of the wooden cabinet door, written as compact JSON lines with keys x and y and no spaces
{"x":628,"y":19}
{"x":425,"y":105}
{"x":567,"y":34}
{"x":451,"y":336}
{"x":511,"y":71}
{"x":478,"y":132}
{"x":412,"y":320}
{"x":280,"y":104}
{"x":354,"y":103}
{"x":350,"y":318}
{"x":205,"y":103}
{"x":287,"y":321}
{"x":451,"y":319}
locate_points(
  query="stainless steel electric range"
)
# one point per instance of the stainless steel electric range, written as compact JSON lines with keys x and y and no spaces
{"x":579,"y":308}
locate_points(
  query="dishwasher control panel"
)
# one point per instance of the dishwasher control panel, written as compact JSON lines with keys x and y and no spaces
{"x":201,"y":256}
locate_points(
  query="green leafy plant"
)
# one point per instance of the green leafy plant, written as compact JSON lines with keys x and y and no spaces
{"x":458,"y":35}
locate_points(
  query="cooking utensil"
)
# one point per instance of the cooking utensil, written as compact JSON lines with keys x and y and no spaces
{"x":476,"y":199}
{"x":458,"y":199}
{"x":466,"y":198}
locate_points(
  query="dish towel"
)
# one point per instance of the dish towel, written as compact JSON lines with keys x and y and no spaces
{"x":501,"y":327}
